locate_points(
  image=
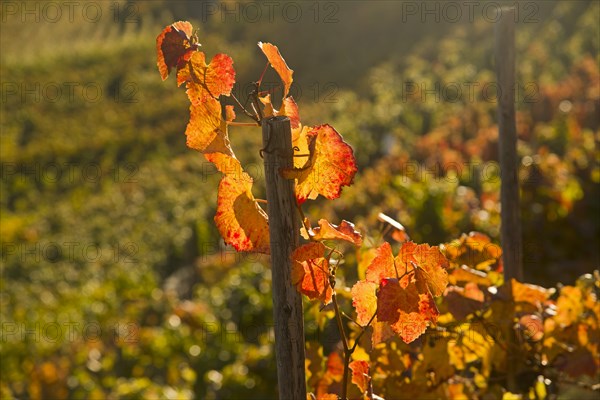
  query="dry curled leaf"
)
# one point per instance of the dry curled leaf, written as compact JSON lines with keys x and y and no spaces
{"x":174,"y":46}
{"x":278,"y":64}
{"x":345,"y":231}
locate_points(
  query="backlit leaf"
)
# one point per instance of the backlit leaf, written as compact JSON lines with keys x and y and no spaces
{"x":278,"y":64}
{"x":301,"y":145}
{"x":406,"y":307}
{"x":524,"y":292}
{"x":228,"y":165}
{"x":382,"y":265}
{"x":569,"y":305}
{"x":207,"y":131}
{"x":345,"y":231}
{"x":310,"y":272}
{"x":381,"y":332}
{"x":172,"y":46}
{"x":360,"y":374}
{"x":364,"y":300}
{"x":330,"y":166}
{"x":431,"y":265}
{"x":207,"y":81}
{"x":239,"y":218}
{"x":289,"y":108}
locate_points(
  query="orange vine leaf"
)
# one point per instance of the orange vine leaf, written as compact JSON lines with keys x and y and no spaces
{"x":278,"y":64}
{"x":364,"y":300}
{"x":432,"y":265}
{"x":382,"y":265}
{"x":207,"y":131}
{"x":207,"y":81}
{"x":310,"y":272}
{"x":381,"y":332}
{"x":527,"y":293}
{"x":268,"y":111}
{"x":228,"y":165}
{"x":345,"y":231}
{"x":289,"y":108}
{"x":240,"y":220}
{"x":330,"y":166}
{"x":360,"y":374}
{"x":403,"y":289}
{"x":406,"y":306}
{"x":173,"y":46}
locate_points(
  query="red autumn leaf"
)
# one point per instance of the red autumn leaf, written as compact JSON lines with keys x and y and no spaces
{"x":364,"y":300}
{"x":406,"y":306}
{"x":207,"y":131}
{"x":330,"y":166}
{"x":382,"y":265}
{"x":207,"y":81}
{"x":360,"y":374}
{"x":345,"y":231}
{"x":310,"y":272}
{"x":239,"y":218}
{"x":278,"y":64}
{"x":173,"y":45}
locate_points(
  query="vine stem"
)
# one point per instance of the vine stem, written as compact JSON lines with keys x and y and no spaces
{"x":347,"y":350}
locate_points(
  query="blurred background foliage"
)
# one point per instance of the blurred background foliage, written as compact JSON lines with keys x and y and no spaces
{"x":114,"y":281}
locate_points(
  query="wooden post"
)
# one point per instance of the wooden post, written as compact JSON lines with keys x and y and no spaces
{"x":284,"y":228}
{"x":507,"y":140}
{"x":509,"y":189}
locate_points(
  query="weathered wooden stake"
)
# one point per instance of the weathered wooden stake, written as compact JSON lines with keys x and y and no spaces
{"x":509,"y":189}
{"x":284,"y":229}
{"x":507,"y":139}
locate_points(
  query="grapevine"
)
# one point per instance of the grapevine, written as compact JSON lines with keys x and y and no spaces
{"x":421,"y":320}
